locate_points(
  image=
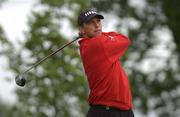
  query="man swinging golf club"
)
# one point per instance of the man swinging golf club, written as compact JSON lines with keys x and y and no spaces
{"x":110,"y":94}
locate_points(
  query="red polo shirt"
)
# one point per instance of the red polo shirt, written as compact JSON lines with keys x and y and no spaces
{"x":108,"y":82}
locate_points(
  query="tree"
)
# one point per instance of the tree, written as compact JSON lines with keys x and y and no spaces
{"x":5,"y":49}
{"x":5,"y":110}
{"x":56,"y":87}
{"x":52,"y":85}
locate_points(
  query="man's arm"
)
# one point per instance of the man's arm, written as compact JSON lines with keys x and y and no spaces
{"x":115,"y":45}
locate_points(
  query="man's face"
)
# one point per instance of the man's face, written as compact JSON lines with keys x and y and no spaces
{"x":92,"y":28}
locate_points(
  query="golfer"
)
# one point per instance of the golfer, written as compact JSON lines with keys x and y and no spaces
{"x":110,"y":94}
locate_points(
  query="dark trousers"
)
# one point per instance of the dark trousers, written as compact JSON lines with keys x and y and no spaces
{"x":99,"y":111}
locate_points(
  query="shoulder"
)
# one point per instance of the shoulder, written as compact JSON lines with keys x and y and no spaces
{"x":116,"y":34}
{"x":111,"y":33}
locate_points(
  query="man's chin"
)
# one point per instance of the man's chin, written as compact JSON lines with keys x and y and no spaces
{"x":95,"y":34}
{"x":98,"y":33}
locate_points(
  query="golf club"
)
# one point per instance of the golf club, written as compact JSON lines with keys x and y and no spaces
{"x":21,"y":77}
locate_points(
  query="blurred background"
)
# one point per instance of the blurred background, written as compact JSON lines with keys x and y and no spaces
{"x":31,"y":29}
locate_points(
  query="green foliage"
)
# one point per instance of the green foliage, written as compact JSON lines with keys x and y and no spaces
{"x":58,"y":88}
{"x":53,"y":84}
{"x":5,"y":45}
{"x":173,"y":20}
{"x":5,"y":110}
{"x":151,"y":85}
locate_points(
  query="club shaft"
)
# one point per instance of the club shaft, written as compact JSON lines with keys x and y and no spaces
{"x":43,"y":59}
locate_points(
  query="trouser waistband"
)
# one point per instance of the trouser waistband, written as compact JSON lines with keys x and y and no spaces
{"x":103,"y":107}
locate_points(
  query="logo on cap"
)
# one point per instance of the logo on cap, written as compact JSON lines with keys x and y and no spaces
{"x":90,"y":12}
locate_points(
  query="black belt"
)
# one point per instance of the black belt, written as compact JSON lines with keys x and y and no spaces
{"x":103,"y":107}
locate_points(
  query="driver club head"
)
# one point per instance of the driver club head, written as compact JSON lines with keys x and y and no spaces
{"x":20,"y":80}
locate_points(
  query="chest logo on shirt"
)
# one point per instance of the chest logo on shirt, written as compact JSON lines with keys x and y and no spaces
{"x":111,"y":37}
